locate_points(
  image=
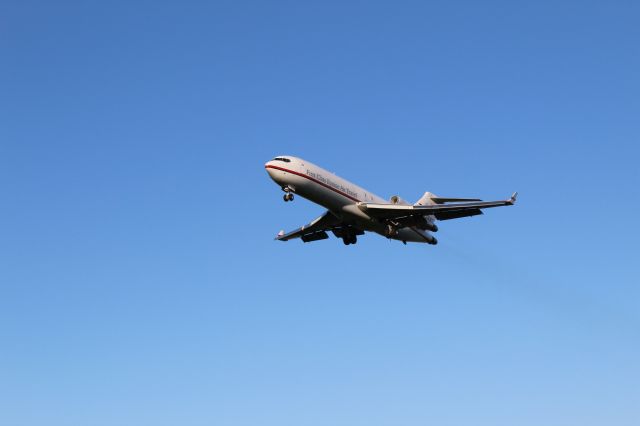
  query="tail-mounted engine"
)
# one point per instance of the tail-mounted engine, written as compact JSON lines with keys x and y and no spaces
{"x":397,"y":200}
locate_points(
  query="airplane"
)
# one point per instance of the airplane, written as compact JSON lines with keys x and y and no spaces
{"x":352,"y":210}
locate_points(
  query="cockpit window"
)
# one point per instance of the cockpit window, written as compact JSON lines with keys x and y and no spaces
{"x":286,"y":160}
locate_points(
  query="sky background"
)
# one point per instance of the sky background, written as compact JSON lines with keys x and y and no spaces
{"x":139,"y":280}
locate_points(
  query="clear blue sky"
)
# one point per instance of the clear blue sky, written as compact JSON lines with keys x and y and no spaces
{"x":139,"y":280}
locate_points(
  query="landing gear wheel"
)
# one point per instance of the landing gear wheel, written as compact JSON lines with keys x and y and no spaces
{"x":288,"y":197}
{"x":349,"y":239}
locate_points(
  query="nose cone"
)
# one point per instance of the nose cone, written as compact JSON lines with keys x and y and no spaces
{"x":270,"y":171}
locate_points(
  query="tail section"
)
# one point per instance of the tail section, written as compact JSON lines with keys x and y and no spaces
{"x":428,"y":222}
{"x":426,"y":200}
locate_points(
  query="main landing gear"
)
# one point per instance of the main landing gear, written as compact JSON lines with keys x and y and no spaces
{"x":349,"y":239}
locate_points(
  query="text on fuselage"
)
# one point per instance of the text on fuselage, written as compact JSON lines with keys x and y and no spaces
{"x":329,"y":182}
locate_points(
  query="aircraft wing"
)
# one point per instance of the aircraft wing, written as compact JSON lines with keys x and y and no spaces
{"x":440,"y":211}
{"x":314,"y":231}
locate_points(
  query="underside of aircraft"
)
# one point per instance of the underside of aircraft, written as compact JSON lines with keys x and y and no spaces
{"x":352,"y":210}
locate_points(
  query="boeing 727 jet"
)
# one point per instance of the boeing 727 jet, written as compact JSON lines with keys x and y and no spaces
{"x":352,"y":210}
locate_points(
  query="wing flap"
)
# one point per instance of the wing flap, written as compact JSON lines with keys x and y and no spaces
{"x":442,"y":200}
{"x":339,"y":231}
{"x":458,"y":214}
{"x":316,"y":236}
{"x":440,"y":211}
{"x":314,"y":231}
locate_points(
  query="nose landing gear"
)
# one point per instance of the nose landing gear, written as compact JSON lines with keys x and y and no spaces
{"x":289,"y":194}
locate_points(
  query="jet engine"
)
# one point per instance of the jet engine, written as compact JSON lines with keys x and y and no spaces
{"x":397,"y":200}
{"x":429,"y":226}
{"x":432,"y":240}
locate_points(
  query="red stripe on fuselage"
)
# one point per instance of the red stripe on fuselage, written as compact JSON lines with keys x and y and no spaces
{"x":311,"y":179}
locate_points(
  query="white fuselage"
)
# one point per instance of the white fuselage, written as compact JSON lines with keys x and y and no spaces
{"x":336,"y":194}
